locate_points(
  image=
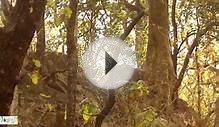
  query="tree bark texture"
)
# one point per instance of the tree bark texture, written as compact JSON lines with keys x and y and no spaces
{"x":14,"y":42}
{"x":41,"y":41}
{"x":160,"y":71}
{"x":72,"y":63}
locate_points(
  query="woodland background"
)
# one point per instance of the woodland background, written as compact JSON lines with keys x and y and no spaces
{"x":176,"y":43}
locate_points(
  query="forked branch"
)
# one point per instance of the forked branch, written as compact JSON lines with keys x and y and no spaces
{"x":195,"y":43}
{"x":111,"y":93}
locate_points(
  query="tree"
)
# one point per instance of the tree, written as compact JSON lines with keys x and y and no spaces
{"x":160,"y":71}
{"x":72,"y":63}
{"x":41,"y":42}
{"x":161,"y":77}
{"x":172,"y":88}
{"x":217,"y":101}
{"x":15,"y":40}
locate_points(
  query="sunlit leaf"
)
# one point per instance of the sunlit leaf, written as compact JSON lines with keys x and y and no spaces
{"x":65,"y":117}
{"x":44,"y":95}
{"x":37,"y":63}
{"x":58,"y":20}
{"x":66,"y":11}
{"x":50,"y":3}
{"x":86,"y":114}
{"x":34,"y":77}
{"x":88,"y":110}
{"x":51,"y":107}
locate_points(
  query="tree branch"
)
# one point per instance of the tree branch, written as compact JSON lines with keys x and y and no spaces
{"x":7,"y":9}
{"x":187,"y":36}
{"x":132,"y":24}
{"x":108,"y":106}
{"x":175,"y":45}
{"x":137,"y":7}
{"x":15,"y":40}
{"x":190,"y":50}
{"x":111,"y":93}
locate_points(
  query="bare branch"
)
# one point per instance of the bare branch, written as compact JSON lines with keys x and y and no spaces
{"x":192,"y":47}
{"x":132,"y":24}
{"x":175,"y":45}
{"x":111,"y":93}
{"x":137,"y":7}
{"x":187,"y":36}
{"x":108,"y":106}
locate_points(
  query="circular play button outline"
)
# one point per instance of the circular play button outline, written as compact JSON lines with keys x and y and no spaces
{"x":108,"y":63}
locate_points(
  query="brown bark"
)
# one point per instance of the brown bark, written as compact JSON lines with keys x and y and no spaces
{"x":213,"y":69}
{"x":93,"y":17}
{"x":161,"y":77}
{"x":175,"y":43}
{"x":198,"y":87}
{"x":132,"y":24}
{"x":40,"y":45}
{"x":217,"y":113}
{"x":106,"y":110}
{"x":138,"y":42}
{"x":14,"y":42}
{"x":72,"y":63}
{"x":60,"y":114}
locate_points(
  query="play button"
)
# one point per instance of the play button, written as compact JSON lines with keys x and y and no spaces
{"x":108,"y":63}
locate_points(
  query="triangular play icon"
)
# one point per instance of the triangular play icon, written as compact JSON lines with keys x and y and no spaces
{"x":109,"y":62}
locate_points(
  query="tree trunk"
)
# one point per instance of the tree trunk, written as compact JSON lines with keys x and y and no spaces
{"x":60,"y":115}
{"x":14,"y":42}
{"x":160,"y":71}
{"x":72,"y":61}
{"x":217,"y":101}
{"x":217,"y":113}
{"x":41,"y":42}
{"x":138,"y":41}
{"x":93,"y":30}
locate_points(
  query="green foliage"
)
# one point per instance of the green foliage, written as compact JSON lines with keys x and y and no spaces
{"x":137,"y":89}
{"x":67,"y":11}
{"x":34,"y":77}
{"x":145,"y":117}
{"x":88,"y":109}
{"x":37,"y":63}
{"x":50,"y":3}
{"x":110,"y":18}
